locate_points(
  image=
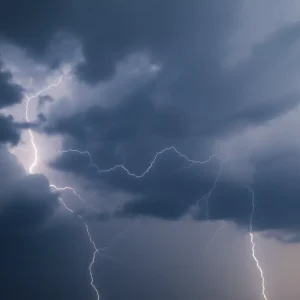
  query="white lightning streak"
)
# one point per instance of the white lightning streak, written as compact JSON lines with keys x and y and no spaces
{"x":32,"y":140}
{"x":69,"y":188}
{"x":207,"y":195}
{"x":172,"y":148}
{"x":93,"y":260}
{"x":263,"y":291}
{"x":31,"y":170}
{"x":92,"y":243}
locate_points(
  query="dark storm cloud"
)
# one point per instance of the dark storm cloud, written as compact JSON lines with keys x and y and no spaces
{"x":276,"y":189}
{"x":10,"y":92}
{"x":8,"y":130}
{"x":275,"y":186}
{"x":135,"y":116}
{"x":38,"y":249}
{"x":165,"y":192}
{"x":26,"y":201}
{"x":32,"y":24}
{"x":153,"y":26}
{"x":165,"y":29}
{"x":208,"y":101}
{"x":168,"y":194}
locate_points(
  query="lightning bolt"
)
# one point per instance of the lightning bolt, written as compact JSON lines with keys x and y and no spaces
{"x":172,"y":148}
{"x":69,"y":188}
{"x":31,"y":170}
{"x":207,"y":195}
{"x":263,"y":289}
{"x":92,"y":243}
{"x":159,"y":153}
{"x":32,"y":140}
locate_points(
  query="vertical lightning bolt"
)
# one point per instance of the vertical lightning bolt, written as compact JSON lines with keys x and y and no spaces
{"x":92,"y":243}
{"x":263,"y":289}
{"x":32,"y":140}
{"x":31,"y":170}
{"x":207,"y":195}
{"x":93,"y":259}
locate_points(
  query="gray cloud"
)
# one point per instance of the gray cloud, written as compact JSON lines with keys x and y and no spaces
{"x":8,"y":130}
{"x":26,"y":200}
{"x":193,"y":100}
{"x":36,"y":241}
{"x":11,"y":93}
{"x":208,"y":103}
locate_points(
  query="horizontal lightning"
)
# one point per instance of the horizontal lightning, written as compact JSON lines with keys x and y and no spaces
{"x":172,"y":148}
{"x":148,"y":169}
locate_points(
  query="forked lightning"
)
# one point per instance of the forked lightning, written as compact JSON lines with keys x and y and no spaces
{"x":122,"y":167}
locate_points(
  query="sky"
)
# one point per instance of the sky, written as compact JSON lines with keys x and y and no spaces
{"x":149,"y":149}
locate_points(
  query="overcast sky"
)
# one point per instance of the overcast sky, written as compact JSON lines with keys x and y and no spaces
{"x":162,"y":133}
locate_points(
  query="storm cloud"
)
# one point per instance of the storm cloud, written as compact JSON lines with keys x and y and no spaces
{"x":208,"y":102}
{"x":212,"y":82}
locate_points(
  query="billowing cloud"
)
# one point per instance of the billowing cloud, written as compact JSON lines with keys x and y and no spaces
{"x":207,"y":103}
{"x":8,"y":130}
{"x":11,"y":93}
{"x":35,"y":240}
{"x":206,"y":77}
{"x":26,"y":200}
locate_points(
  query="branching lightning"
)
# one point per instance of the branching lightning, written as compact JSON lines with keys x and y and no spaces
{"x":69,"y":188}
{"x":31,"y":170}
{"x":122,"y":167}
{"x":207,"y":195}
{"x":263,"y":289}
{"x":172,"y":148}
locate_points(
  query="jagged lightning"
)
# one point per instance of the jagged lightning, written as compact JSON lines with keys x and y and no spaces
{"x":69,"y":188}
{"x":93,"y":259}
{"x":92,"y":243}
{"x":207,"y":195}
{"x":171,"y":148}
{"x":263,"y":288}
{"x":32,"y":140}
{"x":31,"y":170}
{"x":119,"y":166}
